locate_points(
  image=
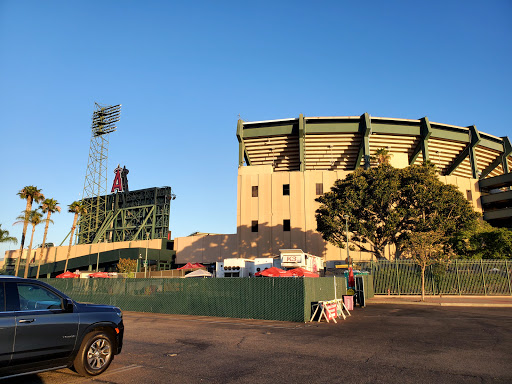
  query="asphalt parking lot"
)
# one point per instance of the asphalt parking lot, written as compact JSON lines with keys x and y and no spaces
{"x":382,"y":343}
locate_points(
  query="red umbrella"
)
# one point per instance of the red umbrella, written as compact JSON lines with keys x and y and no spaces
{"x":271,"y":272}
{"x":188,"y":266}
{"x":99,"y":274}
{"x":198,"y":265}
{"x":67,"y":275}
{"x":299,"y":272}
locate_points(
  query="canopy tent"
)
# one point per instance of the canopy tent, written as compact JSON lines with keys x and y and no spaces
{"x":67,"y":275}
{"x":199,"y":273}
{"x":191,"y":266}
{"x":271,"y":272}
{"x":99,"y":274}
{"x":198,"y":265}
{"x":299,"y":272}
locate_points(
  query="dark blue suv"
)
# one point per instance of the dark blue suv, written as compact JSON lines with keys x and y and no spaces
{"x":42,"y":329}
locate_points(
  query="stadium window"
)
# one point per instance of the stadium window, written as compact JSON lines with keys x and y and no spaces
{"x":286,"y":225}
{"x":286,"y":189}
{"x":469,"y":195}
{"x":319,"y":189}
{"x":254,"y":191}
{"x":254,"y":226}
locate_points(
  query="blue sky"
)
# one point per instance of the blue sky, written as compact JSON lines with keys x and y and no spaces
{"x":185,"y":71}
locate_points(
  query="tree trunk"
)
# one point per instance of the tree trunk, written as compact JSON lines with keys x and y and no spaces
{"x":71,"y":241}
{"x":25,"y":225}
{"x":422,"y":283}
{"x":44,"y":242}
{"x":25,"y":274}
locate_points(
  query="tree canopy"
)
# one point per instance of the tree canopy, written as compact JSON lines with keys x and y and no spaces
{"x":484,"y":242}
{"x":385,"y":205}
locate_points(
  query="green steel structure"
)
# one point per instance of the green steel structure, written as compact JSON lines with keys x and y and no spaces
{"x":136,"y":215}
{"x":124,"y":216}
{"x":346,"y":143}
{"x":94,"y":195}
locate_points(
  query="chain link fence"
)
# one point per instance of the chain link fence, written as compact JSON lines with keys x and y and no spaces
{"x":284,"y":299}
{"x":458,"y":277}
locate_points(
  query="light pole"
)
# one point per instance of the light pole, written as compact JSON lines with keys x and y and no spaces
{"x":146,"y":262}
{"x":346,"y":232}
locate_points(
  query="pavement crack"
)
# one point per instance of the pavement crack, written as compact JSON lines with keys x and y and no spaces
{"x":240,"y":342}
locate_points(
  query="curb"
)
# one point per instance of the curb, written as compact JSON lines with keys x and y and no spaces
{"x":487,"y":305}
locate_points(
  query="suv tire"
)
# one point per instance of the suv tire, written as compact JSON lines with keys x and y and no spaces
{"x":95,"y":354}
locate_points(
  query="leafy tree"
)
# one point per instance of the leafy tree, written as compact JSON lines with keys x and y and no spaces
{"x":48,"y":206}
{"x":31,"y":194}
{"x":5,"y":238}
{"x":426,"y":248}
{"x":78,"y":209}
{"x":34,"y":218}
{"x":369,"y":198}
{"x":484,"y":242}
{"x":432,"y":205}
{"x":385,"y":205}
{"x":127,"y":265}
{"x":493,"y":244}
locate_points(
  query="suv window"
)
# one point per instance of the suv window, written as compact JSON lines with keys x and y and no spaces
{"x":2,"y":298}
{"x":35,"y":297}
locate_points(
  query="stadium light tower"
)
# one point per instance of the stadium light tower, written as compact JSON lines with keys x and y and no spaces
{"x":95,"y":185}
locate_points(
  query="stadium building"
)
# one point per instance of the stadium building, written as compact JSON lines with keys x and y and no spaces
{"x":284,"y":165}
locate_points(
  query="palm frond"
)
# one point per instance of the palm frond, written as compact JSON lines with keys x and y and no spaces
{"x":5,"y":238}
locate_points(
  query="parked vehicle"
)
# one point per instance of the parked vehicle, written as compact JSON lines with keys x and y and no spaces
{"x":42,"y":329}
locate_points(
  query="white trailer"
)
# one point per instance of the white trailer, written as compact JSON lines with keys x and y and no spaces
{"x":296,"y":258}
{"x":236,"y":267}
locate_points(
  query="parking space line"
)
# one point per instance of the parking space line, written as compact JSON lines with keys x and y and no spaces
{"x":121,"y":369}
{"x":80,"y":379}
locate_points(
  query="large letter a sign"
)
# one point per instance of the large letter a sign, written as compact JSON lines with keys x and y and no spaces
{"x":117,"y":186}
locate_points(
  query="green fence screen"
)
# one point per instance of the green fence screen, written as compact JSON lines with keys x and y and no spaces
{"x":285,"y":299}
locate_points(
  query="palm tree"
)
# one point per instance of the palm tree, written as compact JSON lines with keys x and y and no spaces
{"x":31,"y":194}
{"x":34,"y":218}
{"x":5,"y":238}
{"x":48,"y":206}
{"x":382,"y":156}
{"x":78,"y":208}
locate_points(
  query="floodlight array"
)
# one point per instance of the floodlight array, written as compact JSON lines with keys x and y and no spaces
{"x":104,"y":119}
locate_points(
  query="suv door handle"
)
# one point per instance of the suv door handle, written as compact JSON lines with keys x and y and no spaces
{"x":27,"y":320}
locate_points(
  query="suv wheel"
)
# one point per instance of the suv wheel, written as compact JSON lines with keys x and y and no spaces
{"x":95,"y":354}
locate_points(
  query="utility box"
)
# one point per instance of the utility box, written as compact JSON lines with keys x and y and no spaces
{"x":262,"y":263}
